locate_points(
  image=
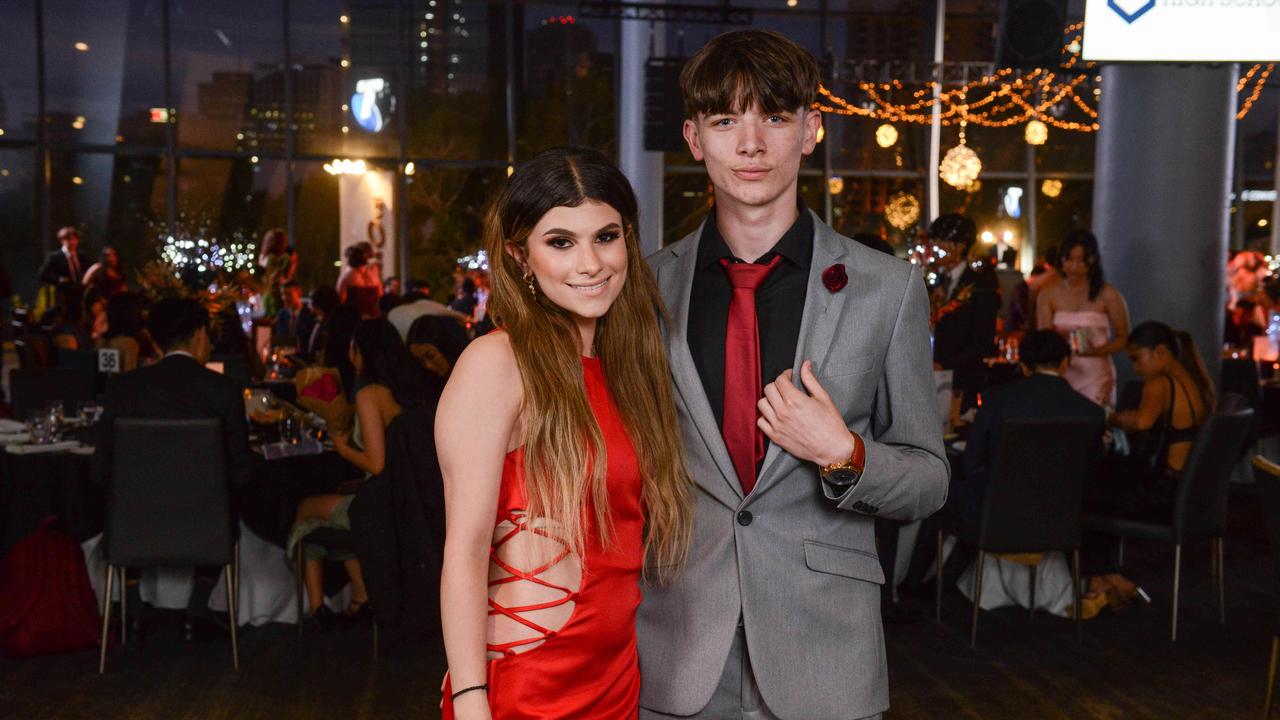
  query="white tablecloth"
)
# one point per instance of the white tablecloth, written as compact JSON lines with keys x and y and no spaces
{"x":266,"y":583}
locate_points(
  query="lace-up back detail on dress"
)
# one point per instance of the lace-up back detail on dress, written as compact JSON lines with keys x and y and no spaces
{"x":562,"y":629}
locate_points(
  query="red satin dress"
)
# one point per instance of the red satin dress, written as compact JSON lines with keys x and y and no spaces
{"x":589,"y":667}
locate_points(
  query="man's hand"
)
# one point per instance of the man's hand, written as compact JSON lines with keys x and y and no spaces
{"x":805,"y":424}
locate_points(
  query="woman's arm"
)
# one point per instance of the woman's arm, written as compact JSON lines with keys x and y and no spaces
{"x":344,"y":278}
{"x":1155,"y":394}
{"x":374,"y":406}
{"x":474,"y":424}
{"x":1044,"y":309}
{"x":1118,"y":313}
{"x":91,"y":273}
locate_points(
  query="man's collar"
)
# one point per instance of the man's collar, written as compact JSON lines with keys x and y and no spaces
{"x":173,"y":353}
{"x":795,"y":245}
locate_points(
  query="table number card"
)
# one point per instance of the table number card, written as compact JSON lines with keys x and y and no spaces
{"x":109,"y":360}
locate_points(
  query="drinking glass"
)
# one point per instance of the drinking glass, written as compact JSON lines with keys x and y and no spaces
{"x":38,"y":428}
{"x":88,"y":412}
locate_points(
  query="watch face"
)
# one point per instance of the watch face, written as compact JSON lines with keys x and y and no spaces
{"x":843,"y":477}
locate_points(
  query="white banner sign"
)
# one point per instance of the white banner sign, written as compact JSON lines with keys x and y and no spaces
{"x":367,"y":216}
{"x":1182,"y":30}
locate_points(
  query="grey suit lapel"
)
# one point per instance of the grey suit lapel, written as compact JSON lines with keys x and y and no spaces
{"x":822,"y":311}
{"x":676,"y":284}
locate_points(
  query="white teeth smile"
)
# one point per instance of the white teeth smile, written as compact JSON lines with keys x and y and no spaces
{"x":590,"y":288}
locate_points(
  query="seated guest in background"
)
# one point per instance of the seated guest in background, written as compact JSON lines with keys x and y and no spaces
{"x":415,"y":289}
{"x":127,"y":331}
{"x":95,"y":314}
{"x":1177,"y":397}
{"x":66,"y":320}
{"x":179,"y":387}
{"x":965,"y":303}
{"x":1042,"y":394}
{"x":388,"y":302}
{"x":419,"y":304}
{"x":294,"y":320}
{"x":390,"y":382}
{"x":324,"y":300}
{"x":391,"y":286}
{"x":464,"y":298}
{"x":67,"y":265}
{"x":331,"y":339}
{"x":437,"y":342}
{"x":232,"y":344}
{"x":359,"y":284}
{"x":1248,"y":305}
{"x":106,"y":274}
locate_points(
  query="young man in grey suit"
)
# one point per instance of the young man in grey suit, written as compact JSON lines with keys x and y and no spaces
{"x":787,"y":336}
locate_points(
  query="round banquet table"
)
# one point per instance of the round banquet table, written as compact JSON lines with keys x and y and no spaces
{"x":34,"y":486}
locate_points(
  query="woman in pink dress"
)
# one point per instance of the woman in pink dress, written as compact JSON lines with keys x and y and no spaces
{"x":1090,"y":314}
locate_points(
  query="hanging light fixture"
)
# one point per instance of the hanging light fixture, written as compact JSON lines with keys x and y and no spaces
{"x":961,"y":166}
{"x":1051,"y":187}
{"x":902,"y":210}
{"x":886,"y":135}
{"x":1036,"y":133}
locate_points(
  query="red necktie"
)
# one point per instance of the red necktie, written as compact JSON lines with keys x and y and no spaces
{"x":742,"y":383}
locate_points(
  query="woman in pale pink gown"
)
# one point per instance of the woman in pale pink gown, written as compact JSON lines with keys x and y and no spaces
{"x":1090,"y":314}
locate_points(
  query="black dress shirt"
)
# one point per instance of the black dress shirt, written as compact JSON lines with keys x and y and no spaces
{"x":779,"y":305}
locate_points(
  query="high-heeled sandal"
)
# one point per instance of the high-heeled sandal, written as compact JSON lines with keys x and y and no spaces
{"x":357,"y":612}
{"x":1092,"y":604}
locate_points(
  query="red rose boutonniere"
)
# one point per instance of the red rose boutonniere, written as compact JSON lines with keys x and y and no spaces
{"x":835,"y":278}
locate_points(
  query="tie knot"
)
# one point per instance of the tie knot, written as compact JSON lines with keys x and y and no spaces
{"x":748,"y":276}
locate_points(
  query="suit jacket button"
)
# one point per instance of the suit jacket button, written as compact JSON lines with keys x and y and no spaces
{"x":744,"y":518}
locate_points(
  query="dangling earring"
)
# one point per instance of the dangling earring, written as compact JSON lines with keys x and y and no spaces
{"x":528,"y":279}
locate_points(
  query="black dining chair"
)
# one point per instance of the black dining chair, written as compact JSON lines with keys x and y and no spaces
{"x":1200,"y":503}
{"x":1032,"y":500}
{"x":34,"y":389}
{"x":34,"y":350}
{"x":169,"y":503}
{"x":1267,"y":475}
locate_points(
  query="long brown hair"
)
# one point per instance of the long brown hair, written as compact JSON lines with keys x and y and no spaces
{"x":560,"y":434}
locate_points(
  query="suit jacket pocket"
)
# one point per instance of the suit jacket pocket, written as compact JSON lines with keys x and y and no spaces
{"x":847,"y":562}
{"x":846,"y":366}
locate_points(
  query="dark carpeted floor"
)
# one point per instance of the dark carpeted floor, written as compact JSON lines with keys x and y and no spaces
{"x":1023,"y":667}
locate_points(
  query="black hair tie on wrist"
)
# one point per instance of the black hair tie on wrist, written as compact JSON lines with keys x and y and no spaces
{"x":464,"y":691}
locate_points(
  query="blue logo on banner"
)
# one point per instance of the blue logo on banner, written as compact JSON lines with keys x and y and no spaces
{"x":1130,"y":17}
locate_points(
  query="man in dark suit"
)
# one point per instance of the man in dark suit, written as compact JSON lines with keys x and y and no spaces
{"x":294,"y":320}
{"x":66,"y":265}
{"x":1042,"y":395}
{"x":179,"y":387}
{"x":967,"y":299}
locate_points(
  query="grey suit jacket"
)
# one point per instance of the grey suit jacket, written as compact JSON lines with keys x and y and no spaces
{"x":798,"y":565}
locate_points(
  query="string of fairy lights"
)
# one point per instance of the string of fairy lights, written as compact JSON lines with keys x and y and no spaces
{"x":1006,"y":97}
{"x":1037,"y":99}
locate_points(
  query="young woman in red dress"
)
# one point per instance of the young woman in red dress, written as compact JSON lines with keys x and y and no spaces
{"x":561,"y":453}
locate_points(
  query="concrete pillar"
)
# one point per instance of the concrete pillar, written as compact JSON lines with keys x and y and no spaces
{"x":642,"y":168}
{"x":1161,"y":195}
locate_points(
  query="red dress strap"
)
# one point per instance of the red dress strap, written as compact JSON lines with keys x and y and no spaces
{"x":521,"y":525}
